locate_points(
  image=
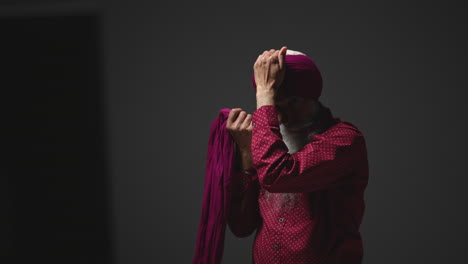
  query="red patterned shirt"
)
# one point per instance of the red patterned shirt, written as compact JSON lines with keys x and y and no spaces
{"x":328,"y":177}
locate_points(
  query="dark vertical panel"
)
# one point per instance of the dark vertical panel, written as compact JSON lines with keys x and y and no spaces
{"x":57,"y":202}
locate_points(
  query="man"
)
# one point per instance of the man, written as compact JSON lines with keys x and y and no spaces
{"x":302,"y":173}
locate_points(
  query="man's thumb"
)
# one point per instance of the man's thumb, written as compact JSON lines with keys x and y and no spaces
{"x":282,"y":56}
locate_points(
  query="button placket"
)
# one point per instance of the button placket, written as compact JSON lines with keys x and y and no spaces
{"x":276,"y":245}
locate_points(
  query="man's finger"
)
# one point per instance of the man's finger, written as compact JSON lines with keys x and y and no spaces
{"x":247,"y":120}
{"x":271,"y":52}
{"x":274,"y":55}
{"x":233,"y":115}
{"x":240,"y":118}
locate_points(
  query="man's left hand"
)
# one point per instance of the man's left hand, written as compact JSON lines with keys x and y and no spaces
{"x":269,"y":70}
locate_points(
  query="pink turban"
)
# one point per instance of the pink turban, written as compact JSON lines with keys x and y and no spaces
{"x":302,"y":77}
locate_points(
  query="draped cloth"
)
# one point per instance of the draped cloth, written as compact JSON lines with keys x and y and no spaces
{"x":220,"y":161}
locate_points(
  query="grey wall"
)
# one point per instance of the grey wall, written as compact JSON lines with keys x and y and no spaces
{"x":394,"y":69}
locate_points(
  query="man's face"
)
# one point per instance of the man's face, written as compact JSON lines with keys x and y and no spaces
{"x":293,"y":110}
{"x":285,"y":106}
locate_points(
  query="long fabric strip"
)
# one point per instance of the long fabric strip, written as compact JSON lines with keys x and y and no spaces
{"x":220,"y":162}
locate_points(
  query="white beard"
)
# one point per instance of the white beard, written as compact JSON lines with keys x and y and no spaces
{"x":295,"y":141}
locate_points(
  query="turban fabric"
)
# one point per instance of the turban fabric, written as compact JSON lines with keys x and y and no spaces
{"x":302,"y":77}
{"x":220,"y":161}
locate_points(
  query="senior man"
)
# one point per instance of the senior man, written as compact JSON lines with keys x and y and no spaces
{"x":301,"y":172}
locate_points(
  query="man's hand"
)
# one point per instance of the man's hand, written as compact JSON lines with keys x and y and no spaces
{"x":239,"y":125}
{"x":269,"y":70}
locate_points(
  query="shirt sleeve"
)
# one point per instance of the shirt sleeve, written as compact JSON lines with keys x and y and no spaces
{"x":324,"y":162}
{"x":244,"y":216}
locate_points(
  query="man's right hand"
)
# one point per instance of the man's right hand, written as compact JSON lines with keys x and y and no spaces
{"x":239,"y":125}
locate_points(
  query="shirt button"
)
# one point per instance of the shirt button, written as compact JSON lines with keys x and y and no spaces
{"x":276,"y":247}
{"x":281,"y":220}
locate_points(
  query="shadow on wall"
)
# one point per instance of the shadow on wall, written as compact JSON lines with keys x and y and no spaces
{"x":56,"y":194}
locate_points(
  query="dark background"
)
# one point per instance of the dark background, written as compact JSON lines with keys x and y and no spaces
{"x":109,"y":105}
